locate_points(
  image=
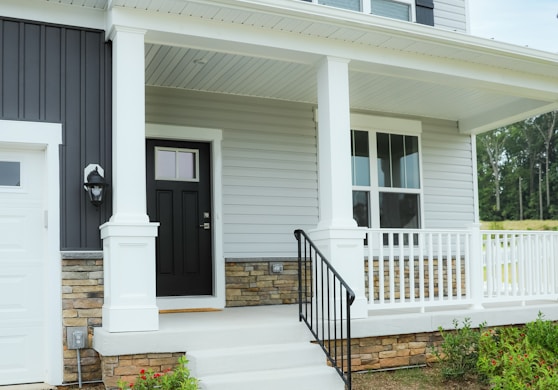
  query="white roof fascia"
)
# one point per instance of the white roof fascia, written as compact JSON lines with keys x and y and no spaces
{"x":346,"y":18}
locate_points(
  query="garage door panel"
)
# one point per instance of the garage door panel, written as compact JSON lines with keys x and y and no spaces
{"x":18,"y":298}
{"x":21,"y":236}
{"x":17,"y":346}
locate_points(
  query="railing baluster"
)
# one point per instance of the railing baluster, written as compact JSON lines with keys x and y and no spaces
{"x":411,"y":267}
{"x":468,"y":266}
{"x":440,"y":257}
{"x":421,"y":269}
{"x":401,"y":267}
{"x":381,"y":271}
{"x":449,"y":261}
{"x":371,"y":269}
{"x":458,"y":287}
{"x":431,"y":291}
{"x":391,"y":269}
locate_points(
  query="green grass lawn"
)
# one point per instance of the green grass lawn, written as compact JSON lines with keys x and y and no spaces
{"x":530,"y":224}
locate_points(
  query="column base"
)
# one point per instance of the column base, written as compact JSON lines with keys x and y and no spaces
{"x":130,"y":319}
{"x":344,"y":249}
{"x":129,"y":277}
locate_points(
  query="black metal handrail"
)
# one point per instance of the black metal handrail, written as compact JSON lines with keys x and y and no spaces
{"x":324,"y":301}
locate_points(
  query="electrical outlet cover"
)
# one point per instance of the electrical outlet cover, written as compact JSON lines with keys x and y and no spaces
{"x":72,"y":340}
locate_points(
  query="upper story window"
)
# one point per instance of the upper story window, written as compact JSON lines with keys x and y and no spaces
{"x":400,"y":9}
{"x":386,"y":176}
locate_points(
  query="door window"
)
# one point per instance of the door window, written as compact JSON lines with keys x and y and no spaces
{"x":176,"y":164}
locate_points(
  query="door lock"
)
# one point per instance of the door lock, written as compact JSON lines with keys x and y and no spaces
{"x":205,"y":226}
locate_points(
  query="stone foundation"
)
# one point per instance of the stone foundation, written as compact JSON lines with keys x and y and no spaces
{"x":250,"y":283}
{"x":82,"y":300}
{"x":127,"y":367}
{"x":416,"y":275}
{"x":373,"y":353}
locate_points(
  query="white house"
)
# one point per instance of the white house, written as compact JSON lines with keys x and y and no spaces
{"x":221,"y":126}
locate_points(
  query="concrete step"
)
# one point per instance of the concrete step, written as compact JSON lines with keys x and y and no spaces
{"x":254,"y":358}
{"x":246,"y":335}
{"x":302,"y":378}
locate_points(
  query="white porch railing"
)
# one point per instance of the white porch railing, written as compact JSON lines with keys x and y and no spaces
{"x":520,"y":265}
{"x":431,"y":268}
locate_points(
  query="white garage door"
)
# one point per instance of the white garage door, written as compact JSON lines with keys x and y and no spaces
{"x":22,"y":266}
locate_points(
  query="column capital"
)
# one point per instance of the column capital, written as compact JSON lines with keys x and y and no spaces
{"x":329,"y":59}
{"x":115,"y":28}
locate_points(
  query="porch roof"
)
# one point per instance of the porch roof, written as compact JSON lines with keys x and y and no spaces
{"x":269,"y":49}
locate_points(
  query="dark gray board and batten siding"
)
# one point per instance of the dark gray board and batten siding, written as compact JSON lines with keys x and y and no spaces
{"x":59,"y":74}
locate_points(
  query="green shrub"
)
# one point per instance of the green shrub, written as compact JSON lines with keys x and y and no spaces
{"x":179,"y":379}
{"x":543,"y":333}
{"x":458,"y":352}
{"x":509,"y":359}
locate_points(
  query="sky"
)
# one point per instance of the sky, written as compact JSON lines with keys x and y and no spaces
{"x":531,"y":23}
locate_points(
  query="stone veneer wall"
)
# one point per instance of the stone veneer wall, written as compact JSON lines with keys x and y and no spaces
{"x":373,"y":353}
{"x":250,"y":283}
{"x":127,"y":367}
{"x":406,"y":275}
{"x":82,"y":300}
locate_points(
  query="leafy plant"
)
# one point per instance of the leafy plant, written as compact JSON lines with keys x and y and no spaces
{"x":509,"y":359}
{"x":179,"y":379}
{"x":458,"y":352}
{"x":543,"y":333}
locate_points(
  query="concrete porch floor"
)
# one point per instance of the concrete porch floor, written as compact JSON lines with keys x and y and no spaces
{"x":384,"y":322}
{"x":181,"y":332}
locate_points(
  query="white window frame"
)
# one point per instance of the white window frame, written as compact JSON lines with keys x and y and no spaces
{"x":366,"y":6}
{"x":373,"y":125}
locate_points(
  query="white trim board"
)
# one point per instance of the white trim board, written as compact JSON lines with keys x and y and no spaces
{"x":214,"y":137}
{"x":47,"y":137}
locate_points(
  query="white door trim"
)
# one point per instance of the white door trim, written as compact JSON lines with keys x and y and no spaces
{"x":47,"y":137}
{"x":214,"y":137}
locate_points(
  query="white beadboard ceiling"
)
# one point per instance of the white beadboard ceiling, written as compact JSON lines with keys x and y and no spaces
{"x":503,"y":83}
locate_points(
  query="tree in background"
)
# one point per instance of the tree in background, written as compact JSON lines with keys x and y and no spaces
{"x":511,"y":162}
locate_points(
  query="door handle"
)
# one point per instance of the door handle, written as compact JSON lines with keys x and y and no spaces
{"x":205,"y":226}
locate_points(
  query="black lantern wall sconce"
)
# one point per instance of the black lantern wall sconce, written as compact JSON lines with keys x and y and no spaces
{"x":94,"y":183}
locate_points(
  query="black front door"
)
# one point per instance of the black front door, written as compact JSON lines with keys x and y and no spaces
{"x":179,"y":198}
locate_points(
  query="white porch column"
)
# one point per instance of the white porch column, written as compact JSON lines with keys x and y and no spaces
{"x":337,"y":234}
{"x":129,"y":237}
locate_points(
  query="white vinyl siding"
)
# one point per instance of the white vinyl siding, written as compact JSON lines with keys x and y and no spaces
{"x":448,"y":183}
{"x":451,"y":15}
{"x":270,"y":184}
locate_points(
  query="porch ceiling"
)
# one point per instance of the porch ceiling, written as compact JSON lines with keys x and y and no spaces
{"x":270,"y":48}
